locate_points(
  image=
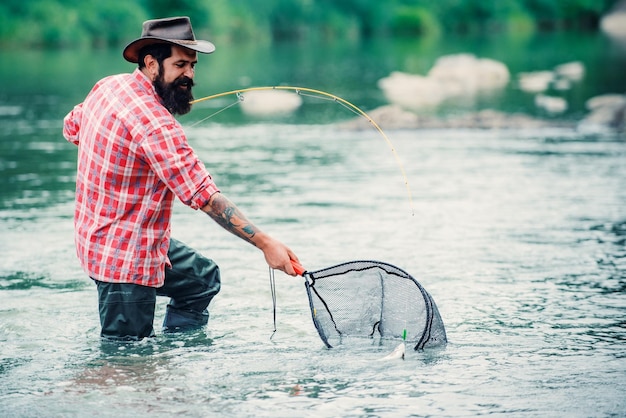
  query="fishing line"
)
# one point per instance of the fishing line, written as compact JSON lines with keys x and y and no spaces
{"x":273,"y":290}
{"x":318,"y":94}
{"x":239,"y":99}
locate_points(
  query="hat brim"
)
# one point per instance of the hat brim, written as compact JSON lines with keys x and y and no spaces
{"x":131,"y":52}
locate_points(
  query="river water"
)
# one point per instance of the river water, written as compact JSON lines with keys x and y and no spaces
{"x":519,"y":236}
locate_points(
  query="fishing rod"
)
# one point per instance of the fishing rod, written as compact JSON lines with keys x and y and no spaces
{"x":318,"y":94}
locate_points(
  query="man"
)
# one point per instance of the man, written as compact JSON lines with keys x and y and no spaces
{"x":133,"y":160}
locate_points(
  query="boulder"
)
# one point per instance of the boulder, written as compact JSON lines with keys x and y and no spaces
{"x":551,"y":104}
{"x":266,"y":103}
{"x":412,"y":91}
{"x":452,"y":77}
{"x":607,"y":113}
{"x":614,"y":23}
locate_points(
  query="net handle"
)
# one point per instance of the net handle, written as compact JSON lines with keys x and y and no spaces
{"x":297,"y":267}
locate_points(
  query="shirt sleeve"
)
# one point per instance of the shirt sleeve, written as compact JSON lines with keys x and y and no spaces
{"x":177,"y":165}
{"x":71,"y":124}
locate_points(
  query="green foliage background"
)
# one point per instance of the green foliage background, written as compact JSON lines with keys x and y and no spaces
{"x":63,"y":23}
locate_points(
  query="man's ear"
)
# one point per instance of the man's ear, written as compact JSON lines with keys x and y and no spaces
{"x":152,"y":66}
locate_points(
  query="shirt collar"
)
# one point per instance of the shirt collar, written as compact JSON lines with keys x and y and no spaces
{"x":145,"y":82}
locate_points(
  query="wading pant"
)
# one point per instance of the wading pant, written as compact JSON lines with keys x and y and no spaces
{"x":127,"y":310}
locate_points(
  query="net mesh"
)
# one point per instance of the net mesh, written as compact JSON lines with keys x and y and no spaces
{"x":375,"y":300}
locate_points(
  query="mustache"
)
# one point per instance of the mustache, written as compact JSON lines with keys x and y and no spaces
{"x":183,"y":81}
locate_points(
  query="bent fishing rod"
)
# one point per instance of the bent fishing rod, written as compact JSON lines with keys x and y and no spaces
{"x":309,"y":92}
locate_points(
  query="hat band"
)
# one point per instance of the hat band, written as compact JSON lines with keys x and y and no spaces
{"x":185,"y":41}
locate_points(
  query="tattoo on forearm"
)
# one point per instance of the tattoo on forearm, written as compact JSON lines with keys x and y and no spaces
{"x":228,"y":215}
{"x":230,"y":218}
{"x":235,"y":220}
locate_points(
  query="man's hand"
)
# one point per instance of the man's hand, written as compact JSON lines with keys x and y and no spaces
{"x":277,"y":255}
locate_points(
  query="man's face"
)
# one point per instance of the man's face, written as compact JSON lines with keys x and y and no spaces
{"x":175,"y":79}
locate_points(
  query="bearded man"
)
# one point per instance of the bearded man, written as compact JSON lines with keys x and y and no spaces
{"x":133,"y":160}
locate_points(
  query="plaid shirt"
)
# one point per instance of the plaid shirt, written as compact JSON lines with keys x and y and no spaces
{"x":133,"y":158}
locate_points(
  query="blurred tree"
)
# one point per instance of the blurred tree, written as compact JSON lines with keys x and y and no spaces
{"x":236,"y":20}
{"x":112,"y":22}
{"x":414,"y":21}
{"x":373,"y":16}
{"x":45,"y":23}
{"x":95,"y":22}
{"x":576,"y":14}
{"x":165,"y":8}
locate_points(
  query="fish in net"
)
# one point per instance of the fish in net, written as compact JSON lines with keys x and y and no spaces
{"x":372,"y":299}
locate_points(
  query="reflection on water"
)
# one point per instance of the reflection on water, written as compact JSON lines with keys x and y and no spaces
{"x":518,"y":236}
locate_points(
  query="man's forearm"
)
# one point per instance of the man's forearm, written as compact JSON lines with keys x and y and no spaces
{"x":226,"y":214}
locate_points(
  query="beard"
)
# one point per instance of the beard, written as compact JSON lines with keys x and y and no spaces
{"x":175,"y":99}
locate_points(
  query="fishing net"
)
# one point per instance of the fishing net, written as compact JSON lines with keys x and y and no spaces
{"x":372,"y":299}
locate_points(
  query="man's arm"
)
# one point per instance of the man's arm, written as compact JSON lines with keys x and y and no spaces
{"x":226,"y":214}
{"x":71,"y":124}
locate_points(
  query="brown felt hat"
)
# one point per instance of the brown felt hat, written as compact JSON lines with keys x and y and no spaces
{"x":172,"y":30}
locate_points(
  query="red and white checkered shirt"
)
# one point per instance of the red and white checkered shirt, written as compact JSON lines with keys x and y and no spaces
{"x":133,"y":158}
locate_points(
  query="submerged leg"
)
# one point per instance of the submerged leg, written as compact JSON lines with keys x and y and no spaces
{"x":126,"y":311}
{"x":191,"y":284}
